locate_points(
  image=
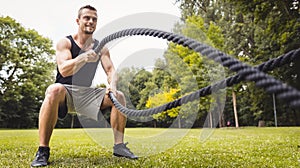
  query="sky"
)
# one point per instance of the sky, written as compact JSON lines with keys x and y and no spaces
{"x":56,"y":19}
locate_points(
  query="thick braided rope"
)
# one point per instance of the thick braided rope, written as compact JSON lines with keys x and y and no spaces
{"x":245,"y":72}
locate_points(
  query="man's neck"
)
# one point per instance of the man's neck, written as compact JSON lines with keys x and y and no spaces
{"x":83,"y":40}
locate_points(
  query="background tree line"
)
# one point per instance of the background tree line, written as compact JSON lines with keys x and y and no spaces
{"x":26,"y":69}
{"x":252,"y":31}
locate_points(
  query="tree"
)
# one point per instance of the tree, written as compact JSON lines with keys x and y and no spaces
{"x":160,"y":99}
{"x":26,"y":69}
{"x":131,"y":82}
{"x":255,"y":31}
{"x":276,"y":30}
{"x":193,"y":71}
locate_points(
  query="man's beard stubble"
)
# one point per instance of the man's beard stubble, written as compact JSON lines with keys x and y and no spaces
{"x":88,"y":32}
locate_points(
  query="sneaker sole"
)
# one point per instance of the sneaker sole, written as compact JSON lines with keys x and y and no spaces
{"x":117,"y":155}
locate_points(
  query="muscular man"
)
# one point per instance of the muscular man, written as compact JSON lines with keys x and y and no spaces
{"x":76,"y":66}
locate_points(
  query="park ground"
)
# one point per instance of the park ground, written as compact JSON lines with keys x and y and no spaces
{"x":225,"y":147}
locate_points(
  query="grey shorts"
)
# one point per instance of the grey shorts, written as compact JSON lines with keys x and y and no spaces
{"x":83,"y":100}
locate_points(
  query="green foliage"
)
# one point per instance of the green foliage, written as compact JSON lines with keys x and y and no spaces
{"x":254,"y":32}
{"x":194,"y":71}
{"x":26,"y":69}
{"x":132,"y":82}
{"x":163,"y":98}
{"x":182,"y":69}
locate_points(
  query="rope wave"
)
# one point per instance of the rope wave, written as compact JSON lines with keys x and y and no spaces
{"x":244,"y":72}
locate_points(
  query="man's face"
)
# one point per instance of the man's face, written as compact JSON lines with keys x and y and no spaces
{"x":88,"y":21}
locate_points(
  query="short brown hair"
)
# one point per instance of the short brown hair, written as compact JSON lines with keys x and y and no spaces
{"x":86,"y":7}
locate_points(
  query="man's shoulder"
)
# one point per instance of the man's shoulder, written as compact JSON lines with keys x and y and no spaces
{"x":64,"y":42}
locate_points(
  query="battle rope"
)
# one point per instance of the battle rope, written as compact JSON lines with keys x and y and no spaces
{"x":244,"y":72}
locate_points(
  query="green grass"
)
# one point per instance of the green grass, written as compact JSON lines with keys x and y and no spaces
{"x":228,"y":147}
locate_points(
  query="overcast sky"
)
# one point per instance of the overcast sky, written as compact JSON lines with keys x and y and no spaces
{"x":56,"y":19}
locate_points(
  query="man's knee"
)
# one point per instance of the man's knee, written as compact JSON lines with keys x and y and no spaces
{"x":108,"y":103}
{"x":56,"y":92}
{"x":121,"y":97}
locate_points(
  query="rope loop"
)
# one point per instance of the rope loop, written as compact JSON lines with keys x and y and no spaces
{"x":244,"y":71}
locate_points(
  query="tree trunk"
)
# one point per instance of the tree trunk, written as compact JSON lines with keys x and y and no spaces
{"x":210,"y":120}
{"x":234,"y":109}
{"x":179,"y":121}
{"x":221,"y":116}
{"x":154,"y":123}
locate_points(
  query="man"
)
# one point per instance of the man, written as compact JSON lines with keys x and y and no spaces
{"x":76,"y":65}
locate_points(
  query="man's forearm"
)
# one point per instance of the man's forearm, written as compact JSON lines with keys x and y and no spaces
{"x":112,"y":80}
{"x":70,"y":67}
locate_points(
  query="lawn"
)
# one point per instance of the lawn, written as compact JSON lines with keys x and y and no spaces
{"x":227,"y":147}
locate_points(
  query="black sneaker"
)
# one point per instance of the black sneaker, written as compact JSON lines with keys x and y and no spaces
{"x":120,"y":150}
{"x":41,"y":157}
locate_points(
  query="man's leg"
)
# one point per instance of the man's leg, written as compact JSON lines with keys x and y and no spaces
{"x":118,"y":123}
{"x":117,"y":119}
{"x":55,"y":94}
